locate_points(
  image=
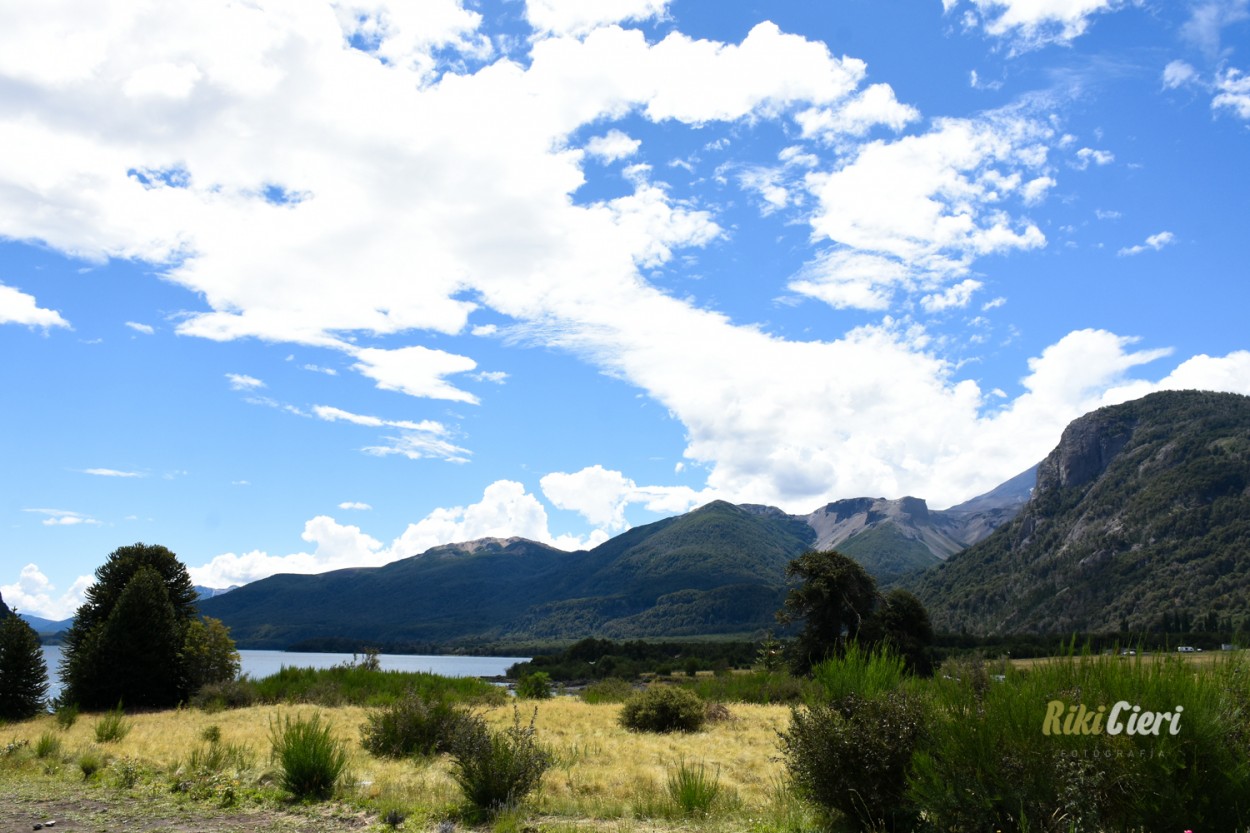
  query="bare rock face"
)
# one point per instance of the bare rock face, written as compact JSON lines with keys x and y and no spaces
{"x":1086,"y":449}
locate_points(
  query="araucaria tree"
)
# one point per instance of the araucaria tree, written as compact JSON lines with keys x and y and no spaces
{"x":23,"y":674}
{"x":136,"y":639}
{"x":835,"y":598}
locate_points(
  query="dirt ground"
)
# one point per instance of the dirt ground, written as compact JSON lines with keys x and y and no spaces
{"x":23,"y":805}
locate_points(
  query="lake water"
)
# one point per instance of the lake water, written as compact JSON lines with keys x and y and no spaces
{"x":263,"y":663}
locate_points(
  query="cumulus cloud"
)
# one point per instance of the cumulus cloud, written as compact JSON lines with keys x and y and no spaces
{"x":1086,"y":156}
{"x":573,"y":17}
{"x":1030,"y":24}
{"x":1178,"y":74}
{"x":17,"y":307}
{"x":35,"y":594}
{"x":1233,"y":93}
{"x":601,"y":496}
{"x":612,"y":146}
{"x":912,"y":214}
{"x":505,"y":510}
{"x":1153,"y":243}
{"x":241,"y":381}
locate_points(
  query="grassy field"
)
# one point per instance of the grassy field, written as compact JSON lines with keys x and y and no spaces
{"x":605,"y":778}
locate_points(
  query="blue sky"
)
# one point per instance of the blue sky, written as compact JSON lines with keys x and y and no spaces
{"x":294,"y":286}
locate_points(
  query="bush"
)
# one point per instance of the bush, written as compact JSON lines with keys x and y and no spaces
{"x":612,"y":690}
{"x":48,"y":746}
{"x":89,"y":764}
{"x":66,"y":715}
{"x":692,"y":790}
{"x":311,"y":760}
{"x":854,"y":756}
{"x":536,"y":686}
{"x":496,"y":770}
{"x":663,"y":709}
{"x":415,"y":725}
{"x":228,"y":694}
{"x":213,"y":772}
{"x":112,"y":727}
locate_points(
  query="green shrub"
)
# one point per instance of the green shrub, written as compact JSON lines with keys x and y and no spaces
{"x":611,"y":690}
{"x":112,"y":727}
{"x":66,"y":715}
{"x":986,"y":739}
{"x":89,"y":763}
{"x":496,"y":770}
{"x":854,"y":756}
{"x":127,"y":772}
{"x":536,"y":686}
{"x":764,"y":687}
{"x":692,"y":790}
{"x":663,"y":709}
{"x":48,"y":746}
{"x":213,"y":772}
{"x":227,"y":694}
{"x":858,"y":671}
{"x":310,"y":759}
{"x":211,"y":734}
{"x":415,"y":725}
{"x":360,"y":686}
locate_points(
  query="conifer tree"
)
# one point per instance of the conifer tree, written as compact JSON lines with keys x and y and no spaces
{"x":23,"y":674}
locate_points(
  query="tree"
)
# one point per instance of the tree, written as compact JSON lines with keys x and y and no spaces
{"x":209,"y":656}
{"x":834,"y":599}
{"x":905,"y":627}
{"x":128,"y":636}
{"x":23,"y":674}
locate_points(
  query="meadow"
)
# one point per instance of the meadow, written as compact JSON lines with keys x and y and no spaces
{"x":980,"y":746}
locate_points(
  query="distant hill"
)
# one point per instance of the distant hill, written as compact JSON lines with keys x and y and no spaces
{"x":47,"y":626}
{"x":717,"y":570}
{"x":211,"y":592}
{"x":1140,"y":520}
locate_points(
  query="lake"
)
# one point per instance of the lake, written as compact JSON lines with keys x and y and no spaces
{"x":259,"y":664}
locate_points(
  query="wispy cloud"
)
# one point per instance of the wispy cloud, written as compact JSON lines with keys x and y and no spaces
{"x":355,"y":505}
{"x":113,"y":473}
{"x":240,"y":381}
{"x":1153,"y":243}
{"x":63,"y":517}
{"x":146,"y":329}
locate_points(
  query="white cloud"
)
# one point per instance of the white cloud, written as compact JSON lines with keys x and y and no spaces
{"x":911,"y":215}
{"x":1153,"y":243}
{"x":63,"y":517}
{"x":355,"y":504}
{"x":416,"y":371}
{"x":1209,"y":18}
{"x":1233,"y":94}
{"x":601,"y":496}
{"x":17,"y":307}
{"x":112,"y":473}
{"x":328,"y":371}
{"x":416,"y":440}
{"x":33,"y":593}
{"x":1034,"y":23}
{"x":1178,"y":74}
{"x":240,"y":381}
{"x":146,"y":329}
{"x":856,"y":116}
{"x":612,"y":146}
{"x":1085,"y":156}
{"x":574,"y":17}
{"x":954,"y":297}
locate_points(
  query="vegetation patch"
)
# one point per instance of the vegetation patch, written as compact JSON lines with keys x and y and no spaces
{"x":663,"y":709}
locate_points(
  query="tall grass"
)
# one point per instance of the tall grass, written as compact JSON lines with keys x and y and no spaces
{"x":112,"y":727}
{"x":763,"y":687}
{"x":692,"y":789}
{"x":862,"y":672}
{"x":361,"y":686}
{"x":310,"y":759}
{"x":988,"y":763}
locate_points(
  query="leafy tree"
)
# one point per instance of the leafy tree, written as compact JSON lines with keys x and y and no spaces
{"x":905,"y":627}
{"x":834,"y":599}
{"x":128,"y":637}
{"x":208,"y":653}
{"x":23,"y":674}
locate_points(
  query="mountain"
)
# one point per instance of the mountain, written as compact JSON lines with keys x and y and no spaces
{"x":719,"y":569}
{"x":1140,"y":518}
{"x":47,"y":626}
{"x":4,"y":609}
{"x":209,"y":592}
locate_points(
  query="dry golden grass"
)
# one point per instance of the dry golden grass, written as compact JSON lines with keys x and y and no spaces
{"x":603,"y":775}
